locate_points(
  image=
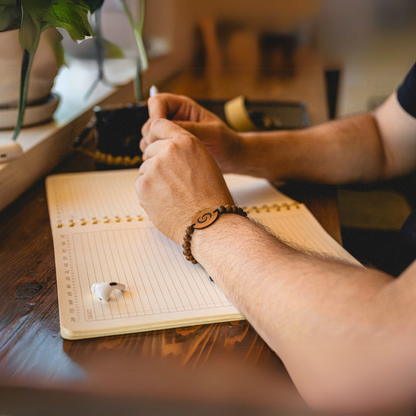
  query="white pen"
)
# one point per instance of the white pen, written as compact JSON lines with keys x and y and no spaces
{"x":153,"y":91}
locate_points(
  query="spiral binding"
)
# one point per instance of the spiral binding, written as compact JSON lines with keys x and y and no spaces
{"x":271,"y":208}
{"x":105,"y":220}
{"x":130,"y":218}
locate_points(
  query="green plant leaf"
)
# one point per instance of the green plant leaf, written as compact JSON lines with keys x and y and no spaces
{"x":29,"y":39}
{"x":55,"y":40}
{"x":94,"y":5}
{"x":71,"y":15}
{"x":10,"y":17}
{"x":73,"y":18}
{"x":37,"y":16}
{"x":112,"y":51}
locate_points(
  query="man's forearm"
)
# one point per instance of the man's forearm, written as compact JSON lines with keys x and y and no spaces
{"x":342,"y":151}
{"x":315,"y":313}
{"x":267,"y":278}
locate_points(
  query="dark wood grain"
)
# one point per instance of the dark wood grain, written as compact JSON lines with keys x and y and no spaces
{"x":32,"y":353}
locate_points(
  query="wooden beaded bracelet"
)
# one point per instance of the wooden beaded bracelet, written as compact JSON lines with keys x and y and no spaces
{"x":204,"y":219}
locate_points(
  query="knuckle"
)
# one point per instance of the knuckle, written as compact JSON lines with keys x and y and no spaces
{"x":156,"y":164}
{"x":142,"y":185}
{"x":171,"y":147}
{"x":184,"y":138}
{"x":155,"y":122}
{"x":145,"y":127}
{"x":190,"y":142}
{"x":187,"y":99}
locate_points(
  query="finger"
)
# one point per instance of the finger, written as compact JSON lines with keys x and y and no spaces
{"x":143,"y":143}
{"x":146,"y":127}
{"x":147,"y":135}
{"x":143,"y":168}
{"x":153,"y":149}
{"x":162,"y":129}
{"x":164,"y":105}
{"x":198,"y":130}
{"x":175,"y":107}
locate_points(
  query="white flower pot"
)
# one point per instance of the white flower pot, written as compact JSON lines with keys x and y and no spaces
{"x":42,"y":76}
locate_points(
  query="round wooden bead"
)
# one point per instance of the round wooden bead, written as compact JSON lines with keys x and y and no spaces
{"x":186,"y":252}
{"x":194,"y":261}
{"x":190,"y":258}
{"x":227,"y":209}
{"x":187,"y":238}
{"x":221,"y":209}
{"x":234,"y":209}
{"x":189,"y":230}
{"x":186,"y":246}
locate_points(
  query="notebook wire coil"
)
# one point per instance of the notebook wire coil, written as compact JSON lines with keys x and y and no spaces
{"x":271,"y":208}
{"x":105,"y":220}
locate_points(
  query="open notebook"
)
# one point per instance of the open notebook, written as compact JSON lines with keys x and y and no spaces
{"x":101,"y":234}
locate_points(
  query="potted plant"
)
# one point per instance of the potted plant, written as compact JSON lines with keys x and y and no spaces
{"x":41,"y":103}
{"x":117,"y":130}
{"x":33,"y":17}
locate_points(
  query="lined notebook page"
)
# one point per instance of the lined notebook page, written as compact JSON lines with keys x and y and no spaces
{"x":96,"y":194}
{"x":254,"y":192}
{"x":301,"y":230}
{"x":162,"y":289}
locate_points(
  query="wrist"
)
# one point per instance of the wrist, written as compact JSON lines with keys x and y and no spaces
{"x":205,"y":242}
{"x":241,"y":155}
{"x":204,"y":220}
{"x":263,"y":153}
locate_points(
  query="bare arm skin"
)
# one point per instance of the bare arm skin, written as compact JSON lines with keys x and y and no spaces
{"x":361,"y":148}
{"x":346,"y":334}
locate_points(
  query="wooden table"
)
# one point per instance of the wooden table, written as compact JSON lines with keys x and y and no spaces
{"x":223,"y":368}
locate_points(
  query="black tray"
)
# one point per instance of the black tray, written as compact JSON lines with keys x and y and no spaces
{"x":293,"y":115}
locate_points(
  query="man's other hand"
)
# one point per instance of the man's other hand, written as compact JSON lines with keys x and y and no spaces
{"x":178,"y":178}
{"x":224,"y":144}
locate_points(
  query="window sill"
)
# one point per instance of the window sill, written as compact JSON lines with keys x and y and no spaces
{"x":45,"y":145}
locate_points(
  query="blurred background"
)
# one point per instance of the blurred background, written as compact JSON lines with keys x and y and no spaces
{"x":366,"y":45}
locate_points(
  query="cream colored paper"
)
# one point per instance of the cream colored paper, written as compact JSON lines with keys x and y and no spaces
{"x":101,"y":234}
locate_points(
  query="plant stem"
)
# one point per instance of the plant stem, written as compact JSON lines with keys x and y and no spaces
{"x":24,"y":88}
{"x":142,"y":63}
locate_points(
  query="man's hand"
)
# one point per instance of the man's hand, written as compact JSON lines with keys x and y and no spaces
{"x":224,"y":144}
{"x":178,"y":178}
